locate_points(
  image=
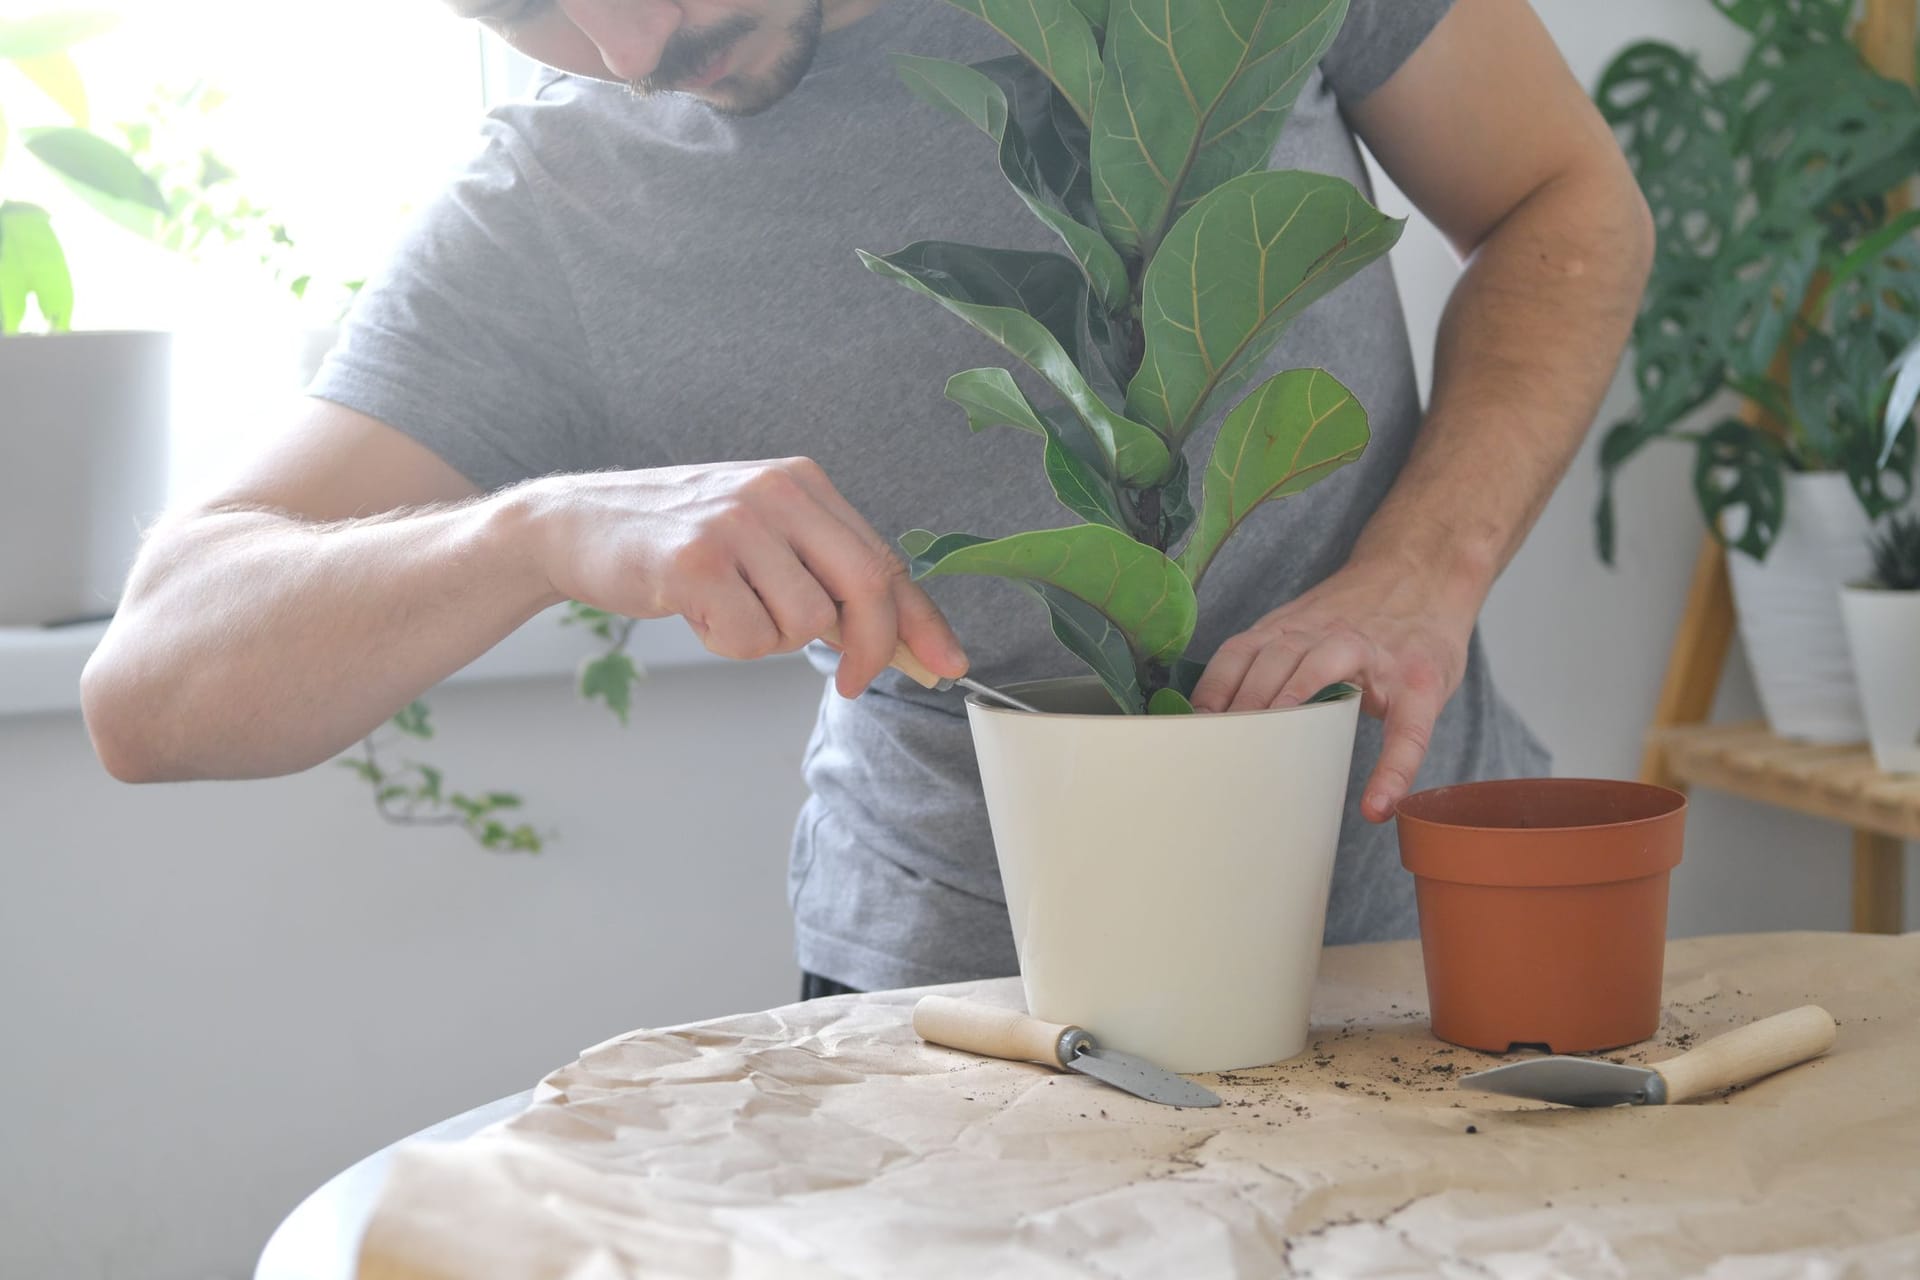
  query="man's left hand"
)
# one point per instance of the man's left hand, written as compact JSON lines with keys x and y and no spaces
{"x":1392,"y":630}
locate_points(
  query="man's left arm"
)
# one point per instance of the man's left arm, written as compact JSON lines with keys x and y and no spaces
{"x":1490,"y":135}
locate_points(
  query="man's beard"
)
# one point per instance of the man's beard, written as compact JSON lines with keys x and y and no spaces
{"x":689,"y":53}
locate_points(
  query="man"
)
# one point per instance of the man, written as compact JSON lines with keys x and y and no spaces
{"x":571,"y":378}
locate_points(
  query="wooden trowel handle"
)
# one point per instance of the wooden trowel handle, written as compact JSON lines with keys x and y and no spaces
{"x":903,"y":660}
{"x":1756,"y":1050}
{"x":996,"y":1032}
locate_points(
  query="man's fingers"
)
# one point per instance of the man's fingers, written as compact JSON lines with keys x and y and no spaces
{"x":918,"y":620}
{"x":799,"y":605}
{"x":1409,"y":728}
{"x":926,"y":631}
{"x":1269,"y":673}
{"x":1328,"y":662}
{"x":730,"y":619}
{"x":1221,"y":680}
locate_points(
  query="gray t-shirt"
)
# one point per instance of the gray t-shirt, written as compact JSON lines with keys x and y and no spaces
{"x":618,"y":282}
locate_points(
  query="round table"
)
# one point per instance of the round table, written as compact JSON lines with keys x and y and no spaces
{"x":320,"y":1239}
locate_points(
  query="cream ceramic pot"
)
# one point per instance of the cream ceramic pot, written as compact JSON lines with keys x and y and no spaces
{"x":1795,"y":643}
{"x":1167,"y":876}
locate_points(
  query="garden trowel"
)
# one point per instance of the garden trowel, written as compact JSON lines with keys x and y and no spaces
{"x":909,"y":666}
{"x":1738,"y":1057}
{"x":1020,"y":1037}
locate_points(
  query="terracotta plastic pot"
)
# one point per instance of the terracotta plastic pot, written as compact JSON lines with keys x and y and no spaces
{"x":1543,"y":908}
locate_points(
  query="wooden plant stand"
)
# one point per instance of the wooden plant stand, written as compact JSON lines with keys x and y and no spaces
{"x":1838,"y":783}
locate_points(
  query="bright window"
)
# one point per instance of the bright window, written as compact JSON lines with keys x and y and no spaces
{"x":336,"y":121}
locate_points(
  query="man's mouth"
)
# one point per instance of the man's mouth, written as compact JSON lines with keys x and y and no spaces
{"x":711,"y":74}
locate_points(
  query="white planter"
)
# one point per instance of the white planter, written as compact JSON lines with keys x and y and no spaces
{"x":1167,"y":876}
{"x":1883,"y":629}
{"x":83,"y":433}
{"x":1789,"y":625}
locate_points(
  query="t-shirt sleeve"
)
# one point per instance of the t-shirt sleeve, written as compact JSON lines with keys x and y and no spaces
{"x":1379,"y":35}
{"x":468,"y":339}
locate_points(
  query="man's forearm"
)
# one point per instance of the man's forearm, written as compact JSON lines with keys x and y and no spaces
{"x":251,"y":644}
{"x":1527,"y":345}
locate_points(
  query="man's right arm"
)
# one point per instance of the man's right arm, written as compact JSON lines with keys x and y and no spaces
{"x":351,"y":569}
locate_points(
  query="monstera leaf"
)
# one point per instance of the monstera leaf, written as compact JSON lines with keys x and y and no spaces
{"x":1194,"y":95}
{"x":1056,"y":36}
{"x":974,"y":97}
{"x":1235,"y":269}
{"x":1739,"y":474}
{"x":1673,"y":128}
{"x":1294,"y":429}
{"x":1021,"y":300}
{"x":1764,"y":276}
{"x":1141,"y":592}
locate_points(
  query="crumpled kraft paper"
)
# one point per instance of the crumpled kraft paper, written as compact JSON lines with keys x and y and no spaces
{"x":826,"y":1140}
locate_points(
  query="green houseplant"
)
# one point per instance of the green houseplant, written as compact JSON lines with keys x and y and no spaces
{"x":1782,"y":271}
{"x":1786,"y":274}
{"x":1183,"y":259}
{"x":1882,"y":616}
{"x":86,"y":412}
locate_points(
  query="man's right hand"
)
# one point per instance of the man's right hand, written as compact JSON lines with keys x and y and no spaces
{"x":759,"y":557}
{"x":350,"y":569}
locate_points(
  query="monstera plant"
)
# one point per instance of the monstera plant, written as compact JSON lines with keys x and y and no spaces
{"x":1784,"y":271}
{"x":1183,"y":258}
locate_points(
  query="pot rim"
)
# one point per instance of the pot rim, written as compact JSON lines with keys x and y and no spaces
{"x":1678,"y":796}
{"x":979,"y":702}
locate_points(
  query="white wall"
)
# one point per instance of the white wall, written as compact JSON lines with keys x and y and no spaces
{"x":217,"y":995}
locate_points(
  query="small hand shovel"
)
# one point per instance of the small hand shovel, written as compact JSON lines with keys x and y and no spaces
{"x":1738,"y":1057}
{"x":911,"y":667}
{"x":1020,"y":1037}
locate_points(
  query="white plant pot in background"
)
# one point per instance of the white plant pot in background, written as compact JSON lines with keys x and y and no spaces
{"x":1789,"y":621}
{"x":1883,"y":629}
{"x":1167,"y":876}
{"x":83,"y":435}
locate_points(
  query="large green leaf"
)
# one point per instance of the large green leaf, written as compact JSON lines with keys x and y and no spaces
{"x":104,"y":175}
{"x":1295,"y":428}
{"x":1814,"y":119}
{"x":1020,"y":300}
{"x":1764,"y":274}
{"x":1194,"y":95}
{"x":1056,"y":36}
{"x":1169,"y":702}
{"x":992,"y":399}
{"x":1756,"y":15}
{"x":1233,"y":271}
{"x":1139,"y":590}
{"x":1081,"y":629}
{"x":1092,"y":637}
{"x":975,"y":98}
{"x":51,"y":32}
{"x":1674,"y":130}
{"x":1677,"y":363}
{"x":32,"y":265}
{"x":1739,"y":475}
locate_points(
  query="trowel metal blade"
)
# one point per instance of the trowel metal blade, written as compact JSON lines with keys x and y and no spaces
{"x":1141,"y":1078}
{"x":1574,"y":1082}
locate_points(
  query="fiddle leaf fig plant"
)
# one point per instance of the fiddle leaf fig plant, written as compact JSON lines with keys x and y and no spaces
{"x":1783,"y":270}
{"x":1143,"y":147}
